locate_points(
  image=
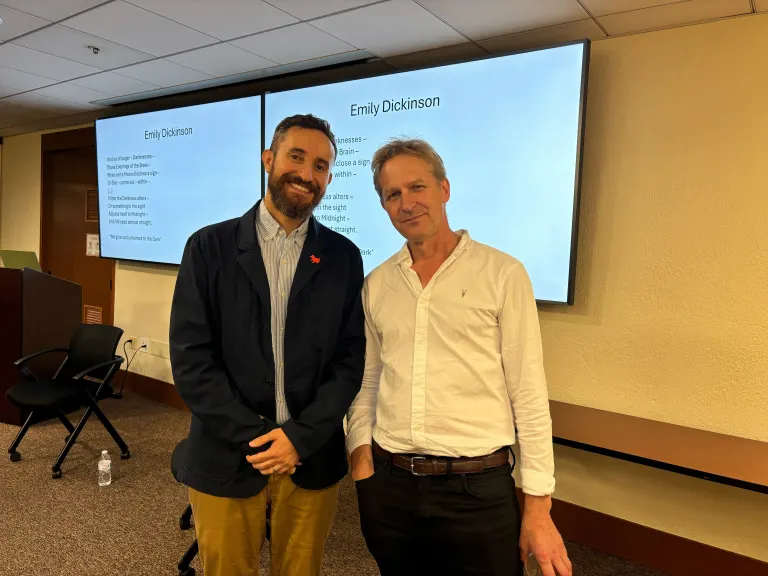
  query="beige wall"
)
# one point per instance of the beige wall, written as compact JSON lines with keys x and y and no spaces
{"x":20,"y":193}
{"x":669,"y":322}
{"x":20,"y":169}
{"x":143,"y":294}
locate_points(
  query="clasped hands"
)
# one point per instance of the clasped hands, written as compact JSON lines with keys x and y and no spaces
{"x":280,"y":458}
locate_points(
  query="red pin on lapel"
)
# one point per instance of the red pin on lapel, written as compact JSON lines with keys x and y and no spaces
{"x":314,"y":259}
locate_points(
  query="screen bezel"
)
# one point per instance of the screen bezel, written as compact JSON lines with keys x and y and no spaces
{"x":263,"y":94}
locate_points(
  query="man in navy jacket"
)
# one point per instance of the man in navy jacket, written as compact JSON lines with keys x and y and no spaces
{"x":267,"y":350}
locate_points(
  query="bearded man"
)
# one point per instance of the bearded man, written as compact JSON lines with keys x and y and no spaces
{"x":267,"y":350}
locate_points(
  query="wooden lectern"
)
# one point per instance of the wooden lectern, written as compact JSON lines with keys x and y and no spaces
{"x":37,"y":312}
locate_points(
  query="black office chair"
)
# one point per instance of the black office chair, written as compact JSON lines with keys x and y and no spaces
{"x":185,"y":520}
{"x":82,"y":379}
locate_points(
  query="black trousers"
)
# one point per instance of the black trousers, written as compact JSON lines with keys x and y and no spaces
{"x":443,"y":525}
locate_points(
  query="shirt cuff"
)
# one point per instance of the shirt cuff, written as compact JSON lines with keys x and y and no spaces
{"x":361,"y":436}
{"x":537,"y":483}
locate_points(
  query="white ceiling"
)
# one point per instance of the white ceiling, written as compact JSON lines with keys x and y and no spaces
{"x":148,"y":48}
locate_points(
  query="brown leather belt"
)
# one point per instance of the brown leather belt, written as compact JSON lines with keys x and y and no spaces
{"x":436,"y":466}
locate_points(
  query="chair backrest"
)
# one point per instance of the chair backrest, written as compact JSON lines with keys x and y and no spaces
{"x":178,"y":457}
{"x":91,"y":344}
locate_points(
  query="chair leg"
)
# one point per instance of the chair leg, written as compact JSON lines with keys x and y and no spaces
{"x":185,"y":520}
{"x":15,"y":456}
{"x":268,"y":529}
{"x":56,"y":470}
{"x":66,"y":422}
{"x":186,"y":560}
{"x":124,"y":452}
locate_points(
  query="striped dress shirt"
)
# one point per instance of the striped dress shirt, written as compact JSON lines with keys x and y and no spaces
{"x":281,"y":254}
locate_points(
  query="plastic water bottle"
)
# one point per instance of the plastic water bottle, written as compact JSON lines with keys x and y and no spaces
{"x":532,"y":566}
{"x":105,"y":469}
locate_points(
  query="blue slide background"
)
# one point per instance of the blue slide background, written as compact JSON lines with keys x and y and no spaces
{"x":507,"y":130}
{"x":211,"y":175}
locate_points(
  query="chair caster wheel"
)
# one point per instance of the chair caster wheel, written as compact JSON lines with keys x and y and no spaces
{"x":187,"y":572}
{"x":56,"y":474}
{"x":126,"y":455}
{"x":15,"y":456}
{"x":184,"y":524}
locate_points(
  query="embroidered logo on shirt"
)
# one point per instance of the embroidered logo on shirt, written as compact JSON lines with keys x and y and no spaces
{"x":464,"y":291}
{"x":314,"y":259}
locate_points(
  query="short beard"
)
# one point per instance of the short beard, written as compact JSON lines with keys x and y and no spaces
{"x":284,"y":203}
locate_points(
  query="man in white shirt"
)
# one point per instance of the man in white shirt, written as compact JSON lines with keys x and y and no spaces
{"x":453,"y":367}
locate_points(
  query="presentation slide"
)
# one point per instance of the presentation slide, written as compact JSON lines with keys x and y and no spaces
{"x":164,"y":175}
{"x":507,"y":129}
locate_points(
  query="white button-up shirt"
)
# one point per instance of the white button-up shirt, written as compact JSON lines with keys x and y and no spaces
{"x":452,"y":368}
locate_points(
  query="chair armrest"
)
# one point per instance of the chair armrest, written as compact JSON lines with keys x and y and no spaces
{"x":116,"y":361}
{"x":21,"y":361}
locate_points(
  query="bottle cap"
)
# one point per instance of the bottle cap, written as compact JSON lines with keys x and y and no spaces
{"x":103,"y":452}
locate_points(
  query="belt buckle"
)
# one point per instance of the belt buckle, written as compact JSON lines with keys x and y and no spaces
{"x":413,"y":462}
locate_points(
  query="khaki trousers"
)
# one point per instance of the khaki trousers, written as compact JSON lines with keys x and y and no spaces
{"x":231,"y":531}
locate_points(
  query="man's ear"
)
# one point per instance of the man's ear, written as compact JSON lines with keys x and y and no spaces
{"x":445,"y":186}
{"x":268,"y":157}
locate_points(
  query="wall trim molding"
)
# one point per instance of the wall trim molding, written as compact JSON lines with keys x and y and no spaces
{"x":662,"y":551}
{"x":674,"y":555}
{"x":720,"y":458}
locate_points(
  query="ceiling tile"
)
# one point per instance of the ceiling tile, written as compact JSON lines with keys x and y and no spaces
{"x":73,"y":45}
{"x":761,"y":5}
{"x":305,"y":10}
{"x":72,"y":93}
{"x":23,"y":80}
{"x":604,"y":7}
{"x":27,"y":60}
{"x":223,"y":19}
{"x":53,"y":10}
{"x":13,"y":114}
{"x":293,"y":44}
{"x":221,"y":60}
{"x":673,"y":15}
{"x":16,"y":23}
{"x":30,"y":106}
{"x":390,"y":28}
{"x":7,"y":91}
{"x":162,"y":73}
{"x":138,"y":28}
{"x":488,"y":18}
{"x":114,"y":84}
{"x":544,"y":37}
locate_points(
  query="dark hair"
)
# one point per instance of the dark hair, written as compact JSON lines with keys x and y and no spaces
{"x":307,"y":121}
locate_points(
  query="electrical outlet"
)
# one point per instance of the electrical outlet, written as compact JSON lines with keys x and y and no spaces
{"x":144,"y":341}
{"x":134,"y":345}
{"x":160,"y":349}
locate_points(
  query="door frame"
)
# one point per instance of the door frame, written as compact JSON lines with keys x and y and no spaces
{"x":68,"y":140}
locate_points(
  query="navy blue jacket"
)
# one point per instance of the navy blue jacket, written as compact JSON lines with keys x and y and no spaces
{"x":223,"y":364}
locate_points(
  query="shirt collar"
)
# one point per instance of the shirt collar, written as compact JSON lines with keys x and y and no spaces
{"x":269,"y":227}
{"x":404,"y":256}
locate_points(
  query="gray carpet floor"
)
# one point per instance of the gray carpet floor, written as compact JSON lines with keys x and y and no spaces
{"x":71,"y":526}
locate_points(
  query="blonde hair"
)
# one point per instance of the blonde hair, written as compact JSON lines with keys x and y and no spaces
{"x":409,"y":146}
